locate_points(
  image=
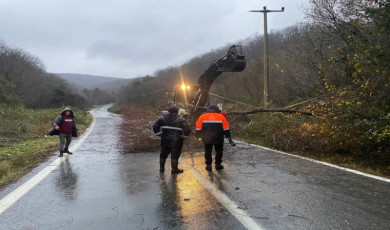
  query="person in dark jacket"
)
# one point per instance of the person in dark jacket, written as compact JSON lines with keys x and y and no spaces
{"x":173,"y":129}
{"x":212,"y":127}
{"x":65,"y":125}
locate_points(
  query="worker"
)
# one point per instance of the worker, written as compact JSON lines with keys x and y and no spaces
{"x":173,"y":129}
{"x":65,"y":127}
{"x":212,"y":127}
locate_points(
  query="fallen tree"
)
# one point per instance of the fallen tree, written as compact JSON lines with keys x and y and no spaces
{"x":271,"y":111}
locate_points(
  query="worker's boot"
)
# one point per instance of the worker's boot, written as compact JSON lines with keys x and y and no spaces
{"x":61,"y":154}
{"x":174,"y":164}
{"x":162,"y":164}
{"x":209,"y":168}
{"x":218,"y":166}
{"x":67,"y":151}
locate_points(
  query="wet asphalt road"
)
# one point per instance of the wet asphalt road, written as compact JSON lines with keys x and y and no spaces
{"x":100,"y":188}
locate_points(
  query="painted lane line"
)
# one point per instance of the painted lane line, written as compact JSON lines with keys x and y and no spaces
{"x":230,"y":205}
{"x":16,"y":194}
{"x":322,"y":163}
{"x":19,"y":192}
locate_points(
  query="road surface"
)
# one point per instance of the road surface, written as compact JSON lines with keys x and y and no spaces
{"x":98,"y":187}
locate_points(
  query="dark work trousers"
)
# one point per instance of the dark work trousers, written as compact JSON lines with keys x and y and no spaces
{"x":208,"y":149}
{"x":63,"y":143}
{"x":174,"y":151}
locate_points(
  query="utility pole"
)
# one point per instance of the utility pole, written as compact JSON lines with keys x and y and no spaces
{"x":266,"y":67}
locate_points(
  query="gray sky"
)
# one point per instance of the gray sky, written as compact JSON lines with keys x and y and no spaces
{"x":130,"y":38}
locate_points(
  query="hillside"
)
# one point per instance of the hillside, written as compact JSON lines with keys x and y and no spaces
{"x":90,"y":81}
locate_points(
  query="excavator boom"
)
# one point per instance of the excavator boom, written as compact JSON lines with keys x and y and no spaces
{"x":233,"y":61}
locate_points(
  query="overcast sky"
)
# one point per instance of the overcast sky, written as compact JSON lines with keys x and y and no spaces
{"x":130,"y":38}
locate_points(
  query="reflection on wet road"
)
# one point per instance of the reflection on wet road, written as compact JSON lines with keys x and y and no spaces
{"x":66,"y":181}
{"x":100,"y":188}
{"x":284,"y":192}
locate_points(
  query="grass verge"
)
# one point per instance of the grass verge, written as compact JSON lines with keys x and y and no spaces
{"x":23,"y":144}
{"x":19,"y":159}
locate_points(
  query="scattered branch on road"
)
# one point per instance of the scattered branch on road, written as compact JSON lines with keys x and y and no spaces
{"x":260,"y":217}
{"x":68,"y":223}
{"x":252,"y":164}
{"x":116,"y":210}
{"x":143,"y":221}
{"x":305,"y":218}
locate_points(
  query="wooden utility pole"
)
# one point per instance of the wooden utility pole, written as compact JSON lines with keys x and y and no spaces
{"x":266,"y":67}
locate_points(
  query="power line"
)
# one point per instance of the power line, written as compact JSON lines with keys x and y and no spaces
{"x":228,"y":99}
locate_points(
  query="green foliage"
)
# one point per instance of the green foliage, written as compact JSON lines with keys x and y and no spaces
{"x":19,"y":158}
{"x":3,"y":168}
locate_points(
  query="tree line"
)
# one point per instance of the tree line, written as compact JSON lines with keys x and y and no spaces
{"x":24,"y":81}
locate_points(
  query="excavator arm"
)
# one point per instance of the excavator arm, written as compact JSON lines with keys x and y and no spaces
{"x":233,"y":61}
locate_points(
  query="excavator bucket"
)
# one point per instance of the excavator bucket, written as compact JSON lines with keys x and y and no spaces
{"x":233,"y":61}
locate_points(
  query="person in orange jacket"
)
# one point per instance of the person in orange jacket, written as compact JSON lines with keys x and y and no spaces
{"x":212,"y":127}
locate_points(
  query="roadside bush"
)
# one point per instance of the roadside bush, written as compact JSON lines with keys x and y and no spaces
{"x":332,"y":135}
{"x":115,"y":109}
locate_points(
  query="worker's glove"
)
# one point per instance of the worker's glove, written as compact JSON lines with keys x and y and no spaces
{"x":231,"y":142}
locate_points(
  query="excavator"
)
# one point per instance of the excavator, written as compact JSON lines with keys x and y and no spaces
{"x":233,"y":61}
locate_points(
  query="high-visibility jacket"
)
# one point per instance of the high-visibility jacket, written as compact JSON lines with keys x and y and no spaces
{"x":212,"y":127}
{"x":171,"y":128}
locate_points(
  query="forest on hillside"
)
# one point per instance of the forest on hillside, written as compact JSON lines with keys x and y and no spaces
{"x":335,"y":65}
{"x":30,"y":97}
{"x":25,"y":82}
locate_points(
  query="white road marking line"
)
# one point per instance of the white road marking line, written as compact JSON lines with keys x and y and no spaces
{"x":323,"y":163}
{"x":230,"y":205}
{"x":19,"y":192}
